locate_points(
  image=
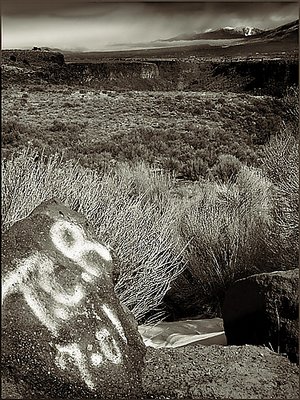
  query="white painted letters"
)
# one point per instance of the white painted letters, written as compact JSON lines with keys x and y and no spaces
{"x":25,"y":280}
{"x":70,"y":240}
{"x":109,"y":346}
{"x":53,"y":305}
{"x":73,"y":352}
{"x":115,"y":321}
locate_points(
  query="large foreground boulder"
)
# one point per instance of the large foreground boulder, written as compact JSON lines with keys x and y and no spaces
{"x":64,"y":331}
{"x":263,"y":310}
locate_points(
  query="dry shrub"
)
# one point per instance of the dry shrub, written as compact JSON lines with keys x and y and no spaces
{"x":290,"y":103}
{"x":226,"y":168}
{"x":153,"y":185}
{"x":222,"y":231}
{"x":226,"y":227}
{"x":119,"y":206}
{"x":280,"y":163}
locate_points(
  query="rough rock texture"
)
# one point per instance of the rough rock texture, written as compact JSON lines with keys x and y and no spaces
{"x":103,"y":72}
{"x":64,"y":332}
{"x":207,"y":372}
{"x":219,"y":372}
{"x":265,"y":76}
{"x":32,"y":57}
{"x":263,"y":309}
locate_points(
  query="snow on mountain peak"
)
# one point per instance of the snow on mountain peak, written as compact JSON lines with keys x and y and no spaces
{"x":247,"y":30}
{"x":243,"y":30}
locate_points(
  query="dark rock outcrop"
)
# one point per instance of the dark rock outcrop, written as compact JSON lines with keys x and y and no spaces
{"x":263,"y":310}
{"x":261,"y":77}
{"x":34,"y":57}
{"x":126,"y":73}
{"x":64,"y":331}
{"x":264,"y":76}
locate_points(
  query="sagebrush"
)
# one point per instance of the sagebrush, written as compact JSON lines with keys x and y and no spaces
{"x":129,"y":210}
{"x":198,"y":241}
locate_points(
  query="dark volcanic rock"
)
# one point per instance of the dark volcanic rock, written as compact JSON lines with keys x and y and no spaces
{"x":126,"y":73}
{"x":64,"y":331}
{"x":263,"y":309}
{"x":34,"y":57}
{"x":265,"y":76}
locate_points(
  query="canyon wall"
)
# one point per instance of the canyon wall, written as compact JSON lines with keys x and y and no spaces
{"x":258,"y":76}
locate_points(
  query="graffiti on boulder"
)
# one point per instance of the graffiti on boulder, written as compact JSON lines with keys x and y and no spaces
{"x":54,"y":305}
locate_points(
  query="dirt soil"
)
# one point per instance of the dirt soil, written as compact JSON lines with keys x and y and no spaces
{"x":219,"y":372}
{"x":199,"y":372}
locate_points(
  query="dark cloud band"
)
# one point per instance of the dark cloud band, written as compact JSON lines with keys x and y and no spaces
{"x":242,"y":8}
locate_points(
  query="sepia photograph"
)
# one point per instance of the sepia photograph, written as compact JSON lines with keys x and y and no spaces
{"x":149,"y":200}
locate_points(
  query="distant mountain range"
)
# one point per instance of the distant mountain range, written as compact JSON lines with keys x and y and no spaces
{"x":284,"y":31}
{"x":287,"y":31}
{"x":286,"y":34}
{"x":227,"y":32}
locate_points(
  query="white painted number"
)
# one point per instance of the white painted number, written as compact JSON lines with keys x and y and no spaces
{"x":38,"y":272}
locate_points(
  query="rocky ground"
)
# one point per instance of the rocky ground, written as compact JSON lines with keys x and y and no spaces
{"x":219,"y":372}
{"x":206,"y":372}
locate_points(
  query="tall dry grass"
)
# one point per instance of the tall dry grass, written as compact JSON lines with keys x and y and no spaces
{"x":220,"y":232}
{"x":129,"y":209}
{"x":226,"y":226}
{"x":281,"y":165}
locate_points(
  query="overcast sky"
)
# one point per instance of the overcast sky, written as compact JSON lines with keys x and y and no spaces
{"x":94,"y":25}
